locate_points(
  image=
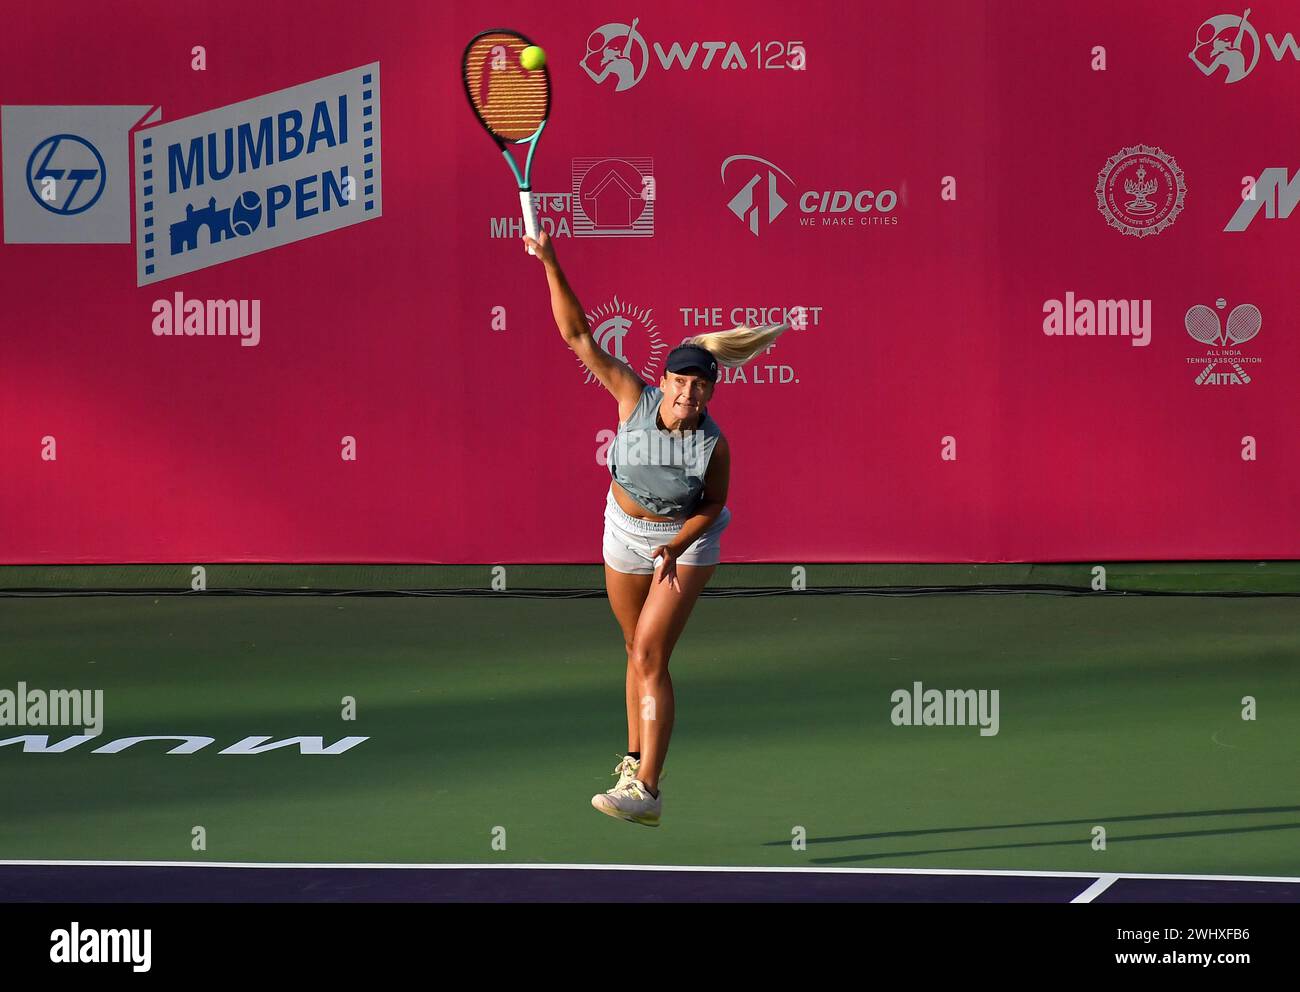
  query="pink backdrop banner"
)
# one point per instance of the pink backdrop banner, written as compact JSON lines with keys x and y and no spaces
{"x":924,"y":180}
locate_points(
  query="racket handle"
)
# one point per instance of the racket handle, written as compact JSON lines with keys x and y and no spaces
{"x":530,"y":215}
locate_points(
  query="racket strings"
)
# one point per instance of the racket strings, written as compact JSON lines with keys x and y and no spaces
{"x":1203,"y":324}
{"x":510,"y":100}
{"x":1243,"y":323}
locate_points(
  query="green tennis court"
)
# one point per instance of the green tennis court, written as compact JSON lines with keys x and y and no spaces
{"x":490,"y":718}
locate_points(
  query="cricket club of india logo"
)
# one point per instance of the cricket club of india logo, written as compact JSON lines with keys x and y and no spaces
{"x":1222,"y":341}
{"x":1140,"y":190}
{"x":629,"y":334}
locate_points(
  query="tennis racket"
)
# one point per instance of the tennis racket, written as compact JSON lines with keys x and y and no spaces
{"x":1241,"y":29}
{"x":511,"y":102}
{"x":1203,"y":325}
{"x":1243,"y":323}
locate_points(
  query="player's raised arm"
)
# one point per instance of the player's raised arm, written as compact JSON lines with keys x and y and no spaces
{"x":619,"y":379}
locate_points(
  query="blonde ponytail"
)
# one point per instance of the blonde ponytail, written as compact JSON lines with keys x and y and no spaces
{"x":737,"y":346}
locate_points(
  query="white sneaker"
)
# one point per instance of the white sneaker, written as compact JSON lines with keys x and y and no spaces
{"x":632,"y":802}
{"x":626,"y":771}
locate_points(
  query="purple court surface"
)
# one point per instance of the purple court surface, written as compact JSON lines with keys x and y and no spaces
{"x":144,"y":883}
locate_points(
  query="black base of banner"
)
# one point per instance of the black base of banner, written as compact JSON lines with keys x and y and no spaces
{"x":930,"y":942}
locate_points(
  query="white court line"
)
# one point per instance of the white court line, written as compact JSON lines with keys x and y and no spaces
{"x":1096,"y":888}
{"x":1294,"y":880}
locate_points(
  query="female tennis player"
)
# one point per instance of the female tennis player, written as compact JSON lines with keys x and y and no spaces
{"x":664,"y":516}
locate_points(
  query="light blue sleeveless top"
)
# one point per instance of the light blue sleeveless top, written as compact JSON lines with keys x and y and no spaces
{"x":663,"y":472}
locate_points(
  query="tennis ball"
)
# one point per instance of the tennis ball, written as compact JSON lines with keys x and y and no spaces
{"x":532,"y":57}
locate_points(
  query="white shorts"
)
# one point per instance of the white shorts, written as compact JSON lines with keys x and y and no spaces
{"x":630,"y":542}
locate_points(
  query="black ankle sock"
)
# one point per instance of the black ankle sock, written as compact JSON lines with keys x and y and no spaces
{"x":634,"y":754}
{"x":653,"y":792}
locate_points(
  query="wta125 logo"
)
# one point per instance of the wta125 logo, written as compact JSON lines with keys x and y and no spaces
{"x":1229,"y":42}
{"x":618,"y":55}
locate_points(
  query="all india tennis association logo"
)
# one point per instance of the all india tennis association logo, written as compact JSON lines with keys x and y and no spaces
{"x":630,"y":334}
{"x":608,"y":197}
{"x":1140,"y":190}
{"x":760,"y":191}
{"x":1223,"y":362}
